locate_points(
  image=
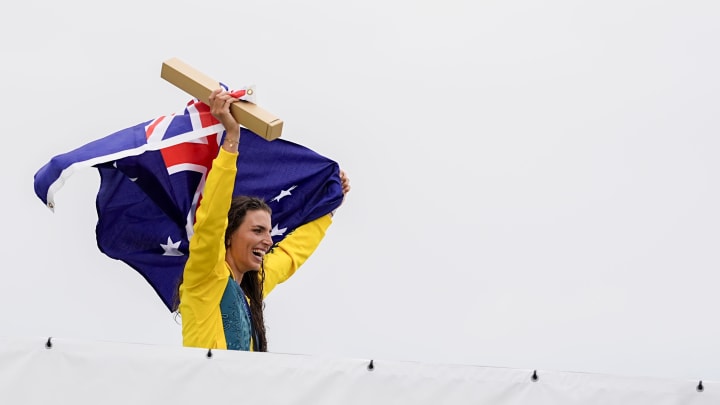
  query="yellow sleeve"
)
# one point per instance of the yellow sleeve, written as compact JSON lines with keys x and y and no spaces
{"x":207,"y":245}
{"x":206,"y":274}
{"x":293,"y":251}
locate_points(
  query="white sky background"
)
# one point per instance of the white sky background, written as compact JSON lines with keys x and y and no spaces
{"x":534,"y":183}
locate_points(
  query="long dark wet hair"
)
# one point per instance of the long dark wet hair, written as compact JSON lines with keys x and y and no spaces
{"x":251,"y":286}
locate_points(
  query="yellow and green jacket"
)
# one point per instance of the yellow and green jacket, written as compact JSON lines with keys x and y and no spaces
{"x":215,"y":313}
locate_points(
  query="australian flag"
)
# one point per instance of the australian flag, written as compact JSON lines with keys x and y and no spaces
{"x":151,"y":180}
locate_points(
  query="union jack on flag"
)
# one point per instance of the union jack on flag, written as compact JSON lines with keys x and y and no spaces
{"x":152,"y":176}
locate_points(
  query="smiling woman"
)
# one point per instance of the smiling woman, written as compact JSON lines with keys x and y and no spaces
{"x":232,"y":264}
{"x":247,"y":238}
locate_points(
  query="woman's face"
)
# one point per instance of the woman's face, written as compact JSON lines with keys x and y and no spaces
{"x":250,"y":241}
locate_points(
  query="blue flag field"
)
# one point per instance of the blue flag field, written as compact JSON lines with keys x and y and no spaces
{"x":152,"y":176}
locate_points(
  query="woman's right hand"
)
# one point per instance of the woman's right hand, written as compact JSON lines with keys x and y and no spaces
{"x":220,"y":101}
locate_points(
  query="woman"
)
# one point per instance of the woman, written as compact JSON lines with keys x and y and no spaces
{"x":230,"y":268}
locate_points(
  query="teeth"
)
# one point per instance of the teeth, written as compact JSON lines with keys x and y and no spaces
{"x":258,"y":252}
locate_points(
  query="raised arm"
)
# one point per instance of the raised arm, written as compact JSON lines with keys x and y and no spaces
{"x":296,"y":248}
{"x":208,"y":240}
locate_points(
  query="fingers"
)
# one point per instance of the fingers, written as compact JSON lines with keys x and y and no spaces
{"x":344,"y":181}
{"x":214,"y":94}
{"x":220,"y":101}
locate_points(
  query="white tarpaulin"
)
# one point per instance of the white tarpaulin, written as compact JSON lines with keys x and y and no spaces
{"x":74,"y":372}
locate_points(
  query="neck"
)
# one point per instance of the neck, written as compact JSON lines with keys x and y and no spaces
{"x":237,"y":274}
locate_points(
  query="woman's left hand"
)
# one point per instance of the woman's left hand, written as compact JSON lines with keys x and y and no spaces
{"x":345,"y":181}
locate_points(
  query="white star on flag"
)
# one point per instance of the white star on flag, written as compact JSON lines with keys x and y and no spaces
{"x":171,"y":248}
{"x":275,"y":231}
{"x":284,"y":193}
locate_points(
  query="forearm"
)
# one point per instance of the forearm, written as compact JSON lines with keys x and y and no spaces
{"x":293,"y":251}
{"x":207,"y":242}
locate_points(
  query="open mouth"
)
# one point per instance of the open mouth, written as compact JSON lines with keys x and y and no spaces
{"x":258,"y":253}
